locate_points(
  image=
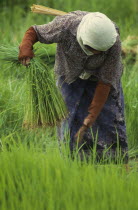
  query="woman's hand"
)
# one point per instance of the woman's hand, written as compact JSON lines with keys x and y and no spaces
{"x":25,"y":54}
{"x":25,"y":61}
{"x":79,"y":135}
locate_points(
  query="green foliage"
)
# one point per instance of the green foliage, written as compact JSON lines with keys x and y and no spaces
{"x":35,"y":177}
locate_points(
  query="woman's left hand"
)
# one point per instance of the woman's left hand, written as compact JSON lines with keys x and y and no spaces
{"x":79,"y":135}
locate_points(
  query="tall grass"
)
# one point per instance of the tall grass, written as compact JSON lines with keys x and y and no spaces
{"x":35,"y":177}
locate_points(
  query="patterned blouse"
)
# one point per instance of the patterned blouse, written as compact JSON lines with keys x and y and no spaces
{"x":71,"y":61}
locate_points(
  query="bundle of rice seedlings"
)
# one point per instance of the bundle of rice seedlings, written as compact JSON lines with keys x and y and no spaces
{"x":46,"y":10}
{"x":44,"y":105}
{"x":10,"y":54}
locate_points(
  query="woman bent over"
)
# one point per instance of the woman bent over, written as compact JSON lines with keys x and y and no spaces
{"x":89,"y":69}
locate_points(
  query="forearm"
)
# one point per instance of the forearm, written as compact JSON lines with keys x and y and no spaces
{"x":26,"y":46}
{"x":30,"y":37}
{"x":99,"y":99}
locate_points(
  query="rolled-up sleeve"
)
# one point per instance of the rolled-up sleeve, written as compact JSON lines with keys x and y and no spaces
{"x":55,"y":31}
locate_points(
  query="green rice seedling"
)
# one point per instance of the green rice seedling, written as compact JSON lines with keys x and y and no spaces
{"x":44,"y":105}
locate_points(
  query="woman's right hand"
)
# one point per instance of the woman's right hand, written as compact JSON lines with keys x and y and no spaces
{"x":25,"y":61}
{"x":25,"y":54}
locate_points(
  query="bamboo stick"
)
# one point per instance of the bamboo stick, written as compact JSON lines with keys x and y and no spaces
{"x":46,"y":10}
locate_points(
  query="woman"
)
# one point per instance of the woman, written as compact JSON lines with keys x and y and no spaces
{"x":88,"y":68}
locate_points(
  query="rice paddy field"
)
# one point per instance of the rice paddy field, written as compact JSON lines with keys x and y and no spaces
{"x":34,"y":173}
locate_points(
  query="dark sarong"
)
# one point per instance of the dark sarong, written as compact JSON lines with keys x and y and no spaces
{"x":108,"y":131}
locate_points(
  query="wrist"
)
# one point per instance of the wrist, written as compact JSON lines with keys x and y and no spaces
{"x":24,"y":46}
{"x":88,"y":121}
{"x":85,"y":126}
{"x":25,"y":51}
